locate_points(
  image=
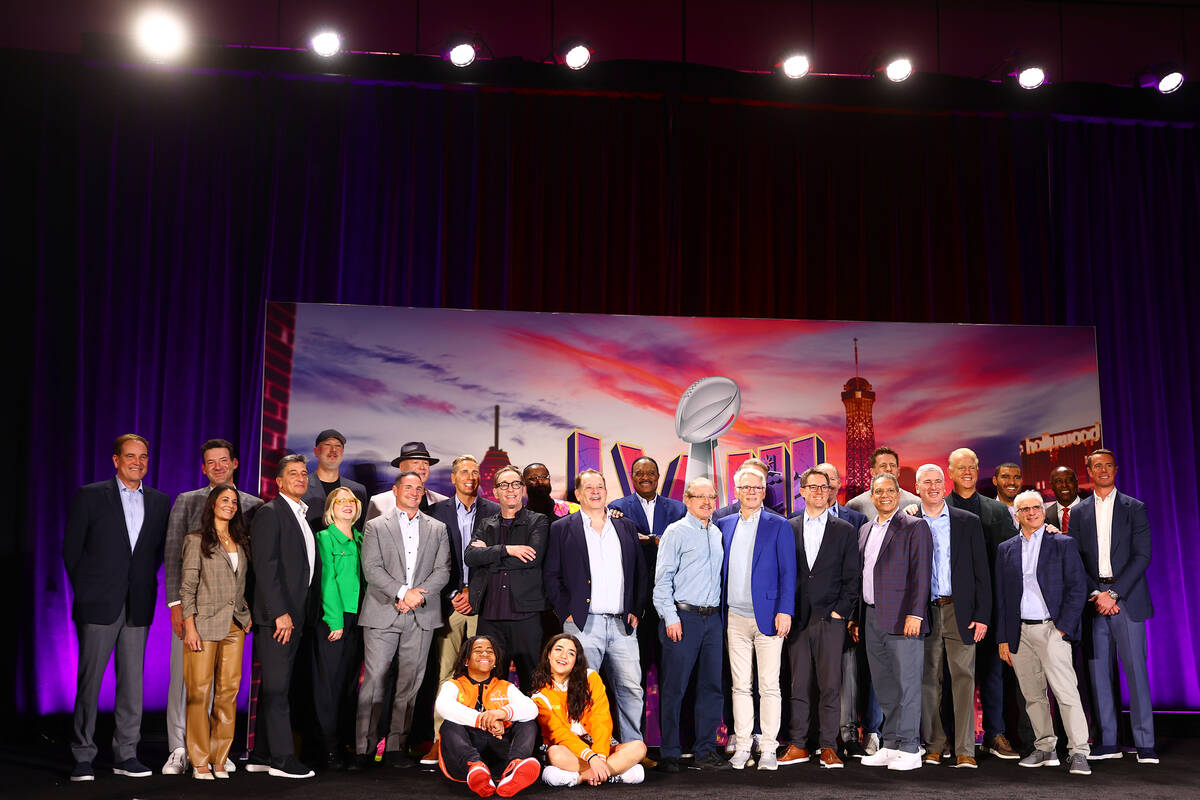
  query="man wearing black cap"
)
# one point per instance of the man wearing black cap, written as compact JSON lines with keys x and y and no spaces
{"x":414,"y":457}
{"x":330,"y":449}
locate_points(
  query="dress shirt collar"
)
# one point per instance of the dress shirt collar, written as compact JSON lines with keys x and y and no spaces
{"x":462,"y":509}
{"x":752,"y":519}
{"x":945,"y":512}
{"x":298,"y":506}
{"x":121,"y":485}
{"x":821,"y":518}
{"x":883,"y":523}
{"x":694,"y":522}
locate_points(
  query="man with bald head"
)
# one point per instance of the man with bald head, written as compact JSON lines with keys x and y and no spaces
{"x":1065,"y":485}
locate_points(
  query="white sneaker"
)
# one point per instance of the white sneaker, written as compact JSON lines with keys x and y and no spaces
{"x":882,"y":757}
{"x":904,"y":761}
{"x":768,"y":761}
{"x":635,"y":774}
{"x":872,"y":744}
{"x":176,"y":762}
{"x":740,"y":759}
{"x":554,"y":776}
{"x":230,"y":766}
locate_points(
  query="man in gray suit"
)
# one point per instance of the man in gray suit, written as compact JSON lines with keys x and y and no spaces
{"x":406,"y":562}
{"x":217,"y":464}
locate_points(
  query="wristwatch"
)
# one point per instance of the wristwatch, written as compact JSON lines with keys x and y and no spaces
{"x":1113,"y":595}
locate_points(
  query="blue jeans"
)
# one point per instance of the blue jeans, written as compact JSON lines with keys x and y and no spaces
{"x":605,"y":642}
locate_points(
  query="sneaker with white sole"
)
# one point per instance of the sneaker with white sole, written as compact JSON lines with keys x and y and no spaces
{"x":904,"y":761}
{"x":556,"y":776}
{"x":1077,"y":764}
{"x":177,"y":762}
{"x":768,"y":761}
{"x":740,"y":759}
{"x":132,"y":768}
{"x":882,"y":757}
{"x":635,"y":774}
{"x":871,"y":745}
{"x":1040,"y":758}
{"x":230,"y":766}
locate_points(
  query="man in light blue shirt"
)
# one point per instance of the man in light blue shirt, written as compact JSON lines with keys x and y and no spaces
{"x":687,"y":596}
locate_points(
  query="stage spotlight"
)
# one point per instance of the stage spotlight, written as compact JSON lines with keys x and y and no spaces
{"x":460,"y":50}
{"x":795,"y":66}
{"x":575,"y":54}
{"x":1165,"y":77}
{"x":898,"y":69}
{"x":1031,"y":77}
{"x":160,"y":34}
{"x":326,"y":43}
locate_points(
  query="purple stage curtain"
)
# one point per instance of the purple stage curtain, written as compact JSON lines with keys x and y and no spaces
{"x":163,"y":210}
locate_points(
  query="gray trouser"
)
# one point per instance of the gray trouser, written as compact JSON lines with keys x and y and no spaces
{"x":896,"y":665}
{"x":176,"y":698}
{"x":96,"y":644}
{"x":409,"y":644}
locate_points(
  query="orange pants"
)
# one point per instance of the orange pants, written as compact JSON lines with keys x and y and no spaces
{"x":216,"y":672}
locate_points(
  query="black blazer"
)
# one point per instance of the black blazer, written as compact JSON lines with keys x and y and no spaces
{"x":997,"y":523}
{"x":970,"y":576}
{"x":314,"y":498}
{"x":528,"y":527}
{"x":568,"y":572}
{"x":445,"y":512}
{"x":280,"y":560}
{"x":1060,"y":577}
{"x":835,"y":579}
{"x":104,"y":573}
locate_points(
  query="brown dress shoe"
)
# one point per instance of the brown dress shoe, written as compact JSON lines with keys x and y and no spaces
{"x":932,"y":758}
{"x":999,"y":747}
{"x":967,"y":761}
{"x":432,"y":756}
{"x":649,"y":763}
{"x":794,"y":755}
{"x":829,"y":759}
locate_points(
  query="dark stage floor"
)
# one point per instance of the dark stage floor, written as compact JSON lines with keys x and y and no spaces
{"x":40,"y":769}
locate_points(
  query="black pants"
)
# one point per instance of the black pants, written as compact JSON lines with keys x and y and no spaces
{"x":335,"y":667}
{"x":462,"y":745}
{"x":273,"y":729}
{"x":519,"y":640}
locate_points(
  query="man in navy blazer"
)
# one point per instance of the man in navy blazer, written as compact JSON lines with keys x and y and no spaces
{"x":759,"y":582}
{"x":960,"y":609}
{"x":896,"y":552}
{"x":112,"y":549}
{"x":597,"y":584}
{"x":827,"y":586}
{"x":1114,"y":540}
{"x":1040,"y":594}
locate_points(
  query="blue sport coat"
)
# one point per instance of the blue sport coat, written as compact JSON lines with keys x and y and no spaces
{"x":666,"y":511}
{"x":1060,"y":577}
{"x":772,"y":570}
{"x":1129,"y":552}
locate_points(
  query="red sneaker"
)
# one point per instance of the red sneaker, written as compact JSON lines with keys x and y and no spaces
{"x":519,"y":774}
{"x":479,"y":779}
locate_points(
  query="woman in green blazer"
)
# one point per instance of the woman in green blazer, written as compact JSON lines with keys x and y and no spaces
{"x":337,"y":649}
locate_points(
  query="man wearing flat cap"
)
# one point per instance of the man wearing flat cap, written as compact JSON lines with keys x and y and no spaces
{"x":329,"y":449}
{"x":414,"y":457}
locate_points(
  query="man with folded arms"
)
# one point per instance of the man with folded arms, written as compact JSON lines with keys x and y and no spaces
{"x":827,"y":586}
{"x":959,"y":607}
{"x":1040,"y":594}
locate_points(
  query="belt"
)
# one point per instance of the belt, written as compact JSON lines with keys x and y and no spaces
{"x":605,"y":614}
{"x":1036,"y":621}
{"x":703,"y":611}
{"x":868,"y":605}
{"x":941,"y":601}
{"x":1106,"y":581}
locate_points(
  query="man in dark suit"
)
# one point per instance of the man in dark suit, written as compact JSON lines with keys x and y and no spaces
{"x":287,"y":585}
{"x":1114,"y":539}
{"x":112,"y":548}
{"x":462,"y":515}
{"x":963,"y":470}
{"x":505,"y":559}
{"x":1040,"y":594}
{"x":896,"y":558}
{"x":960,"y":608}
{"x":597,"y":584}
{"x":827,"y":586}
{"x":330,"y":449}
{"x":1065,"y":485}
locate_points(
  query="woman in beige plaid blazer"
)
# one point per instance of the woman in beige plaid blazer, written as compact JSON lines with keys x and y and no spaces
{"x":216,"y":618}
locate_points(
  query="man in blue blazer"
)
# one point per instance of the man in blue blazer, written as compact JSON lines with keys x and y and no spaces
{"x":597,"y":584}
{"x":759,"y":582}
{"x":1040,"y":594}
{"x":112,"y":550}
{"x":1114,"y":539}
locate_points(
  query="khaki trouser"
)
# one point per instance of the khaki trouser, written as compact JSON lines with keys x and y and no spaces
{"x":216,"y":672}
{"x":747,"y":644}
{"x":1044,"y":656}
{"x":945,"y":641}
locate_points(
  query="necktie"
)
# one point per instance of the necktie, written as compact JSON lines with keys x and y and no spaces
{"x":1066,"y":518}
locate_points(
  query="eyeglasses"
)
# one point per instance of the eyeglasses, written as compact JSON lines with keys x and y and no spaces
{"x":751,"y":488}
{"x":816,"y":487}
{"x":887,"y":492}
{"x":708,"y":497}
{"x":509,"y":486}
{"x":344,"y":501}
{"x":1031,"y":510}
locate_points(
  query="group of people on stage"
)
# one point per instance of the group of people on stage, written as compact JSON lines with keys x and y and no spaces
{"x":873,"y":601}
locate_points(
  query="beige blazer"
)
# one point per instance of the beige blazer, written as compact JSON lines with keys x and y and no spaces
{"x":212,"y":591}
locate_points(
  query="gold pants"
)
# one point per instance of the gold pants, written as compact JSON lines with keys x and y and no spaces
{"x":215,"y":671}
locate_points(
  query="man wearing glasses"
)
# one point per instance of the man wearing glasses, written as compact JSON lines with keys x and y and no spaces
{"x":827,"y":586}
{"x":760,"y":585}
{"x":505,"y":559}
{"x":896,"y":559}
{"x":960,"y":607}
{"x":405,"y":563}
{"x":1041,"y":589}
{"x":687,"y":596}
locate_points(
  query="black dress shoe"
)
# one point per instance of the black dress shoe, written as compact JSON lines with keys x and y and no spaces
{"x":333,"y":762}
{"x":398,"y":759}
{"x":712,"y":761}
{"x":668,"y":765}
{"x":360,"y":762}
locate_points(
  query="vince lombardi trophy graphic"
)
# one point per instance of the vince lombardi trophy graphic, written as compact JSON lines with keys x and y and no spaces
{"x":707,"y":409}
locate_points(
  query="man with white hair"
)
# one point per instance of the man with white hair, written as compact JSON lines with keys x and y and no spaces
{"x":960,"y":607}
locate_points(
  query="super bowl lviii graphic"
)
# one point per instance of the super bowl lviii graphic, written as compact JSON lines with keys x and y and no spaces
{"x":699,"y":395}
